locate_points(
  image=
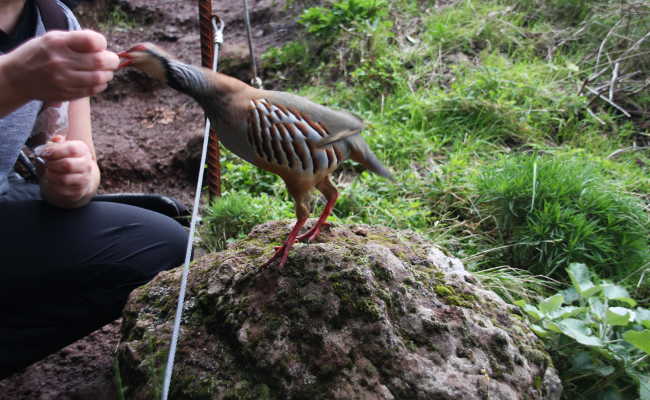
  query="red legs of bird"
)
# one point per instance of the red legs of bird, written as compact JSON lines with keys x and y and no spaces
{"x":302,"y":213}
{"x":331,"y":194}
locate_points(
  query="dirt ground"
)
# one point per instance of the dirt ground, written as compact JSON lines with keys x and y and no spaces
{"x":142,"y":131}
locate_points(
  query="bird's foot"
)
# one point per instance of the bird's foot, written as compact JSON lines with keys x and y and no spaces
{"x":313,"y":232}
{"x":281,"y":252}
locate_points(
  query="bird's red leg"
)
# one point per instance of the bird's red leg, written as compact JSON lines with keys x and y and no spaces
{"x":302,"y":213}
{"x":282,"y":252}
{"x":329,"y":191}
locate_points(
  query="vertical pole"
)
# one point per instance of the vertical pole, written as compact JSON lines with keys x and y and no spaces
{"x":207,"y":51}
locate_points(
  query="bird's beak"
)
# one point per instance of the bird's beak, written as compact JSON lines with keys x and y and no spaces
{"x":127,"y":59}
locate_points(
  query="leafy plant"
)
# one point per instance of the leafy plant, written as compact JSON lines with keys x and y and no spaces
{"x":600,"y":340}
{"x":325,"y":22}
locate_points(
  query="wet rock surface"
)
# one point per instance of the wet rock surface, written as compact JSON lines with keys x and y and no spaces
{"x":364,"y":313}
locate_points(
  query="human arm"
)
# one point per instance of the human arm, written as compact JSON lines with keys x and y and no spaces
{"x":57,"y":66}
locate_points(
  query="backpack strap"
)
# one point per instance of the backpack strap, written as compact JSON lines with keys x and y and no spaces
{"x":52,"y":15}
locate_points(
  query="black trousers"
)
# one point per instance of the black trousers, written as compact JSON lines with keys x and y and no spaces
{"x":65,"y":273}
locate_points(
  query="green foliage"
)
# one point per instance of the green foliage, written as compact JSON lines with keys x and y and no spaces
{"x":234,"y":214}
{"x":326,"y":22}
{"x":118,"y":18}
{"x":120,"y":389}
{"x":457,"y":29}
{"x":514,"y":284}
{"x":557,"y":210}
{"x":598,"y":337}
{"x":354,"y":33}
{"x":568,"y":11}
{"x":242,"y":174}
{"x":293,"y":58}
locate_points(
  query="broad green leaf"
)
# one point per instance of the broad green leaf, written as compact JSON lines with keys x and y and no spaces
{"x":552,"y":326}
{"x":529,"y":309}
{"x":644,"y":383}
{"x":643,"y":316}
{"x":639,"y":339}
{"x":551,"y":304}
{"x":597,"y":308}
{"x":619,"y":316}
{"x":616,"y":292}
{"x":583,"y":361}
{"x":570,"y":295}
{"x":566,"y":312}
{"x":579,"y":330}
{"x":644,"y":387}
{"x":581,"y":279}
{"x":539,"y":331}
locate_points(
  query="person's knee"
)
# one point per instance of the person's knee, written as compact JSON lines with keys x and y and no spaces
{"x":177,"y":237}
{"x":168,"y":244}
{"x":147,"y":241}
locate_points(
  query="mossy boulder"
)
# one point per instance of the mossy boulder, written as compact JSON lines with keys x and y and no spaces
{"x":363,"y":313}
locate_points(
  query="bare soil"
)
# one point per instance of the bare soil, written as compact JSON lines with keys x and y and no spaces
{"x":146,"y":138}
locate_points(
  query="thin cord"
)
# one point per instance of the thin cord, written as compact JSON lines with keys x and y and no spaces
{"x":256,"y":81}
{"x":218,"y":39}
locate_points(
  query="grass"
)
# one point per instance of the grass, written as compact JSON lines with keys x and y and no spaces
{"x":555,"y":210}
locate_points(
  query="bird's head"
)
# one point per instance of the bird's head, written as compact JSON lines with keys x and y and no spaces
{"x":148,"y":58}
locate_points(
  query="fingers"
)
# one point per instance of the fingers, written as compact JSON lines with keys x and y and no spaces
{"x":64,"y":150}
{"x":88,"y":79}
{"x":86,"y":41}
{"x":69,"y":166}
{"x":68,"y":185}
{"x":104,"y":61}
{"x":69,"y":174}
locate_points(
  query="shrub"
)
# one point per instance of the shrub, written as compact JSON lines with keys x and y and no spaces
{"x":235,"y":214}
{"x":326,"y":22}
{"x":553,"y":211}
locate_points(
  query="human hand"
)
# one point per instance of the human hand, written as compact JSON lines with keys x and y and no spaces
{"x":61,"y":66}
{"x":69,"y":176}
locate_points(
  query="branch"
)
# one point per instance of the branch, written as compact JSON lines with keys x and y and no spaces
{"x":626,"y":150}
{"x":621,"y":109}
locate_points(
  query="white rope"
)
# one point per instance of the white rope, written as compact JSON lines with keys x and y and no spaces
{"x":218,"y":40}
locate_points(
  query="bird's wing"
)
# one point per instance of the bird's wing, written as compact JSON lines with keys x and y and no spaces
{"x":285,"y":137}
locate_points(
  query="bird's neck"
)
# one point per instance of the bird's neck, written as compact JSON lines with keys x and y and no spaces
{"x":186,"y":78}
{"x":207,"y":87}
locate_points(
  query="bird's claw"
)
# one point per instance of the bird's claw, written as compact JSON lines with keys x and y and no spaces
{"x":280,"y":251}
{"x":313,"y":232}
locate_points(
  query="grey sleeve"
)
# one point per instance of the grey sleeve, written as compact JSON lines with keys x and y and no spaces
{"x":73,"y":24}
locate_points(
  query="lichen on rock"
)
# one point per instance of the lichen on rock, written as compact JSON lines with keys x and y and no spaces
{"x":364,"y":313}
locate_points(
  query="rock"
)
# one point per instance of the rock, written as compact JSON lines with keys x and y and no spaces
{"x":364,"y":313}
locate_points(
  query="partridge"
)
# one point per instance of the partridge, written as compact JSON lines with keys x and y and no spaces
{"x":291,"y":136}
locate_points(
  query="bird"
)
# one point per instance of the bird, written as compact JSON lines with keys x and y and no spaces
{"x":289,"y":135}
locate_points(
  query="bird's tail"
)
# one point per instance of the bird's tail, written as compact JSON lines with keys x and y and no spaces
{"x":361,"y":153}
